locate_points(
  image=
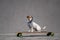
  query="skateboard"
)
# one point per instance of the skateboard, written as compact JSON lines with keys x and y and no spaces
{"x":34,"y":34}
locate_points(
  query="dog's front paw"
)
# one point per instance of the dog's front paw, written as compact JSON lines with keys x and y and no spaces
{"x":29,"y":30}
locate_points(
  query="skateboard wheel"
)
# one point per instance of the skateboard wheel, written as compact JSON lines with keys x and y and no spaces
{"x":50,"y":34}
{"x":19,"y":35}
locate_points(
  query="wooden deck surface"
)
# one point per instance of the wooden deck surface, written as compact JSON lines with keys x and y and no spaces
{"x":34,"y":32}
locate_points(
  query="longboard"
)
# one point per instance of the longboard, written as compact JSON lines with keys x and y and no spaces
{"x":34,"y":34}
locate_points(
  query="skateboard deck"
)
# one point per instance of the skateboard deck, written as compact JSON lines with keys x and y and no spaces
{"x":33,"y":34}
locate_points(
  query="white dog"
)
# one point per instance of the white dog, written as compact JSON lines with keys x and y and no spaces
{"x":32,"y":25}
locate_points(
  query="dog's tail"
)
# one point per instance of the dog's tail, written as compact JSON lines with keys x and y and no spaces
{"x":44,"y":28}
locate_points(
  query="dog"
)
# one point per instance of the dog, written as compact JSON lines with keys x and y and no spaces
{"x":32,"y":25}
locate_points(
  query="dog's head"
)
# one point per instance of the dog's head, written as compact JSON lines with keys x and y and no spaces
{"x":29,"y":18}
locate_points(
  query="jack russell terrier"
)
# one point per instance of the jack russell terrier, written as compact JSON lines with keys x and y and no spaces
{"x":33,"y":26}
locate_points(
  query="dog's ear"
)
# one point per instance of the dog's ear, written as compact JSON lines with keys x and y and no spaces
{"x":29,"y":16}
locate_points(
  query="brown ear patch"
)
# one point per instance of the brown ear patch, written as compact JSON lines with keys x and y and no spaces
{"x":29,"y":16}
